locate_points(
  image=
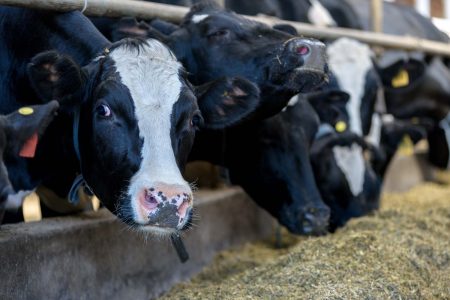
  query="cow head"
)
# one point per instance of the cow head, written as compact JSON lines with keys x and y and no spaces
{"x":138,"y":117}
{"x":19,"y":134}
{"x":275,"y":170}
{"x":351,"y":63}
{"x":346,"y":180}
{"x":212,"y":43}
{"x":419,"y":89}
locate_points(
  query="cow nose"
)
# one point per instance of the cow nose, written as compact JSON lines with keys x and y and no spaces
{"x":315,"y":220}
{"x":305,"y":47}
{"x":166,"y":205}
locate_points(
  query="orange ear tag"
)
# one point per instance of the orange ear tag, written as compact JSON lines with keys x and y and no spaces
{"x":29,"y":148}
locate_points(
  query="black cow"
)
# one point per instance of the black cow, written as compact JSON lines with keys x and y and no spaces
{"x":212,"y":43}
{"x":127,"y":119}
{"x":20,"y":132}
{"x":270,"y":160}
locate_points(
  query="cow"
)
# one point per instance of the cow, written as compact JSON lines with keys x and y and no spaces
{"x":211,"y":43}
{"x":19,"y":133}
{"x":127,"y":115}
{"x":416,"y":85}
{"x":348,"y":169}
{"x":271,"y":161}
{"x":322,"y":13}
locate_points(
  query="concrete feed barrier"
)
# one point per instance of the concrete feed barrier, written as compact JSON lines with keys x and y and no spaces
{"x":94,"y":256}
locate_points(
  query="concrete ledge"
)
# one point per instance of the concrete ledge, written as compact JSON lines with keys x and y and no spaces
{"x":94,"y":256}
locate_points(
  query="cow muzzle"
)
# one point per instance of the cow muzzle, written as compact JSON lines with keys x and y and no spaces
{"x":302,"y":64}
{"x":166,"y":207}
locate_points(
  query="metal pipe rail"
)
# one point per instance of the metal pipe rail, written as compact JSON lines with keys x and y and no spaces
{"x":149,"y":10}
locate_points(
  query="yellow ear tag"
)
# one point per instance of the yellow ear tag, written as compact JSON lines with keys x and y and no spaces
{"x":401,"y":79}
{"x":26,"y":111}
{"x":340,"y":126}
{"x":406,"y":146}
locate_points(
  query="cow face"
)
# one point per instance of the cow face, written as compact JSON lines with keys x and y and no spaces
{"x":351,"y":63}
{"x":212,"y":43}
{"x":274,"y":168}
{"x":346,"y":180}
{"x":138,"y":117}
{"x":419,"y":89}
{"x":19,"y":134}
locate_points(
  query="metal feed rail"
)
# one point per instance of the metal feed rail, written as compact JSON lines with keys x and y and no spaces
{"x":149,"y":10}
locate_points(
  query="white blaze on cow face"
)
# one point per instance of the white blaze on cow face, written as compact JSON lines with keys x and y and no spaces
{"x":350,"y":161}
{"x":350,"y":61}
{"x":319,"y":15}
{"x":198,"y":18}
{"x":151,"y":74}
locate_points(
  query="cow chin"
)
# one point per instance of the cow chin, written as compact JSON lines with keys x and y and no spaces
{"x":306,"y":79}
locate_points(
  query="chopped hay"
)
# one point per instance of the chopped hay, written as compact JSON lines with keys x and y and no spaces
{"x":401,"y":252}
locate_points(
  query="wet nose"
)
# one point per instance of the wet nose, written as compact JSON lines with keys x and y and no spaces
{"x":166,"y":205}
{"x":310,"y":53}
{"x":315,"y":220}
{"x":305,"y":47}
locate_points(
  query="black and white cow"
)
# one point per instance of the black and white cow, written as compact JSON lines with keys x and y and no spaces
{"x":416,"y":85}
{"x":211,"y":43}
{"x":127,"y":119}
{"x":349,"y":170}
{"x":19,"y":134}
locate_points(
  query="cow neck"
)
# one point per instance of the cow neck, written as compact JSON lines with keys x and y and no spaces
{"x":79,"y":180}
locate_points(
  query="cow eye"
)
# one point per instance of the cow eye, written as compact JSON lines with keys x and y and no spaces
{"x":103,"y":110}
{"x":218,"y":34}
{"x":197,"y":121}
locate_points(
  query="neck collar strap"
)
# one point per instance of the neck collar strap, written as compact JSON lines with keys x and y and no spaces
{"x":79,"y":180}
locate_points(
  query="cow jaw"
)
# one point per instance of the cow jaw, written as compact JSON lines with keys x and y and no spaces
{"x":160,"y":198}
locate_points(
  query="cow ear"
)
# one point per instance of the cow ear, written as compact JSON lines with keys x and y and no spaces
{"x":226,"y":101}
{"x":55,"y":76}
{"x":28,"y":123}
{"x":131,"y":28}
{"x":286,"y":28}
{"x":402,"y":74}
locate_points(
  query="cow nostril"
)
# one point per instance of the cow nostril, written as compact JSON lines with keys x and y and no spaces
{"x":302,"y":50}
{"x":150,"y":201}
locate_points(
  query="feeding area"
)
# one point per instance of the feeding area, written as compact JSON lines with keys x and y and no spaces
{"x":222,"y":149}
